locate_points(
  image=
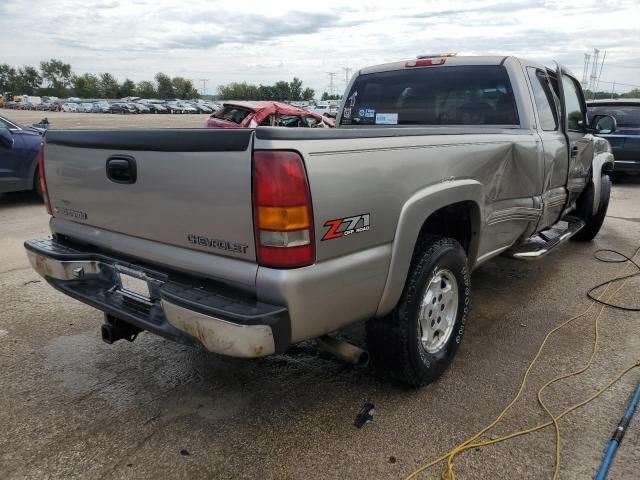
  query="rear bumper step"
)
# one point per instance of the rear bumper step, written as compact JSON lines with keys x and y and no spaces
{"x":542,"y":243}
{"x":186,"y":310}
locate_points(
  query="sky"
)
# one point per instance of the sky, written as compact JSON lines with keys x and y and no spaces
{"x":266,"y":41}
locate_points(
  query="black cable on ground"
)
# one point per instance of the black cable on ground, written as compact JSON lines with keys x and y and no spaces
{"x":623,"y":259}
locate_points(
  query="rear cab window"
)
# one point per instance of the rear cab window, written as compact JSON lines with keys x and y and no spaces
{"x":455,"y":95}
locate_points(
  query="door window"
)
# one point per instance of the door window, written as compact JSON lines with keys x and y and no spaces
{"x":544,"y":100}
{"x":574,"y":105}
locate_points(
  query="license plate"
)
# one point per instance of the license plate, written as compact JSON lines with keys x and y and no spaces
{"x":134,"y":287}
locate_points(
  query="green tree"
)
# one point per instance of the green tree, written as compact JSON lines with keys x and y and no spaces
{"x":184,"y":88}
{"x":326,"y":96}
{"x":308,"y":94}
{"x":281,"y":91}
{"x":57,"y":75}
{"x":635,"y":93}
{"x":7,"y":78}
{"x":127,"y":89}
{"x":27,"y":81}
{"x":108,"y":86}
{"x":265,"y":92}
{"x":146,"y":89}
{"x":165,"y":87}
{"x":86,"y":86}
{"x":295,"y":89}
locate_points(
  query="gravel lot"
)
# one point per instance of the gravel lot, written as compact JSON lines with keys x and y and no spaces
{"x":74,"y":407}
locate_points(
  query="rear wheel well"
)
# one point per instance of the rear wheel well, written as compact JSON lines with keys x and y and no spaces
{"x":458,"y":221}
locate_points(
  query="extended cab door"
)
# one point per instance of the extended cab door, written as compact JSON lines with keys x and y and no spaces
{"x":574,"y":119}
{"x":554,"y":147}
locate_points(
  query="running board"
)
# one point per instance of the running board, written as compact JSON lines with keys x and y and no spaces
{"x":539,"y":245}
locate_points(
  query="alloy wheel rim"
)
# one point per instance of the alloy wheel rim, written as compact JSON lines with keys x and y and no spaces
{"x":438,"y":311}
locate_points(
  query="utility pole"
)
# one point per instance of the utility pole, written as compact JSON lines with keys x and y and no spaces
{"x":331,"y":77}
{"x":594,"y":70}
{"x":613,"y":88}
{"x":347,"y":76}
{"x":204,"y":85}
{"x":585,"y":70}
{"x":601,"y":67}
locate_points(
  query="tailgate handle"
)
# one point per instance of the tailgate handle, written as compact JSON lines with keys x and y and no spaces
{"x":122,"y":169}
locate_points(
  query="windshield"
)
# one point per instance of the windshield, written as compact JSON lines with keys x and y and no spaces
{"x":626,"y":116}
{"x":458,"y":95}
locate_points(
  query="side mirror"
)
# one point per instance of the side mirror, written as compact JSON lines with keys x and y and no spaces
{"x":6,"y":138}
{"x":604,"y":124}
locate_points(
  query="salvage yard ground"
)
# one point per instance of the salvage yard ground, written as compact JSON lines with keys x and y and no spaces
{"x":74,"y":407}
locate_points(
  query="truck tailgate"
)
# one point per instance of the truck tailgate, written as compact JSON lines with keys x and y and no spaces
{"x":189,"y":188}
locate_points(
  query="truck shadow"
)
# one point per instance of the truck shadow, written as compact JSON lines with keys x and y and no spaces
{"x":19,"y":199}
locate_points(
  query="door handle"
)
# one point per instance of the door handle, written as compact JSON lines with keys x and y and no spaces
{"x":122,"y":169}
{"x":574,"y":151}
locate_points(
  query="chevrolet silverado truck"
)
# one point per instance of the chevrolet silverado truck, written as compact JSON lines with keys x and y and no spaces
{"x":246,"y":241}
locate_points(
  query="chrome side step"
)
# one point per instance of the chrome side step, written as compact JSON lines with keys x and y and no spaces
{"x":539,"y":245}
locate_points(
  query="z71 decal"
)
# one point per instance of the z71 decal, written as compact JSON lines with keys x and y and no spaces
{"x":342,"y":227}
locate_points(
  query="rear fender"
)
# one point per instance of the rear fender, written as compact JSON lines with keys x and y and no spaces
{"x":413,"y":215}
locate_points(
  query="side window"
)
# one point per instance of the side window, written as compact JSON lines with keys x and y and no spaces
{"x":573,"y":103}
{"x":267,"y":122}
{"x":310,"y":122}
{"x":544,"y":99}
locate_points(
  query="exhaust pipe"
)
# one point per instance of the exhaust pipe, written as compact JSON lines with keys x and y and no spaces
{"x":345,"y":351}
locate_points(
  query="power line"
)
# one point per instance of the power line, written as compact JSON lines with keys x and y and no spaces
{"x":204,"y":85}
{"x":347,"y":76}
{"x":331,"y":77}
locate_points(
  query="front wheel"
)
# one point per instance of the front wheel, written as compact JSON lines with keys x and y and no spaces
{"x":417,"y":341}
{"x":593,"y":222}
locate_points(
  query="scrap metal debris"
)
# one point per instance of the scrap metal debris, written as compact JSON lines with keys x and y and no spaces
{"x":365,"y":415}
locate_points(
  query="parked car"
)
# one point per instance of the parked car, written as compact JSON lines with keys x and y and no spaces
{"x":119,"y":107}
{"x":100,"y":107}
{"x":69,"y":107}
{"x":201,"y":108}
{"x":324,"y":109}
{"x":623,"y":133}
{"x":84,"y":107}
{"x":437,"y":165}
{"x":141,"y":108}
{"x":187,"y":107}
{"x":19,"y":148}
{"x":174,"y":107}
{"x":156,"y":108}
{"x":253,"y":114}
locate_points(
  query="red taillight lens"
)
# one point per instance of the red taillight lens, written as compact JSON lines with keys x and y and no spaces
{"x":282,"y":210}
{"x":43,"y":180}
{"x":425,"y":62}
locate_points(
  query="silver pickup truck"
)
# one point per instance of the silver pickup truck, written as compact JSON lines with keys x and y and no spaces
{"x":247,"y":241}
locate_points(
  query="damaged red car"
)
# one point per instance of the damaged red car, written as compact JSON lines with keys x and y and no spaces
{"x":265,"y":114}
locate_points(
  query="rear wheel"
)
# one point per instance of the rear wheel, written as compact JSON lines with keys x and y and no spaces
{"x":418,"y":340}
{"x":585,"y":210}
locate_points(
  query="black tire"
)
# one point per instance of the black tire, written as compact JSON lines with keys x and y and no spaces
{"x":585,"y":212}
{"x":395,"y":341}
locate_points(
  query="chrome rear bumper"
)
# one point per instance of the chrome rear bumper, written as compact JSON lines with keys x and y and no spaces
{"x":183,"y":309}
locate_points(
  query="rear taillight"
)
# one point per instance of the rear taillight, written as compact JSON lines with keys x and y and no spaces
{"x":43,"y":180}
{"x":282,"y":210}
{"x":425,"y":62}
